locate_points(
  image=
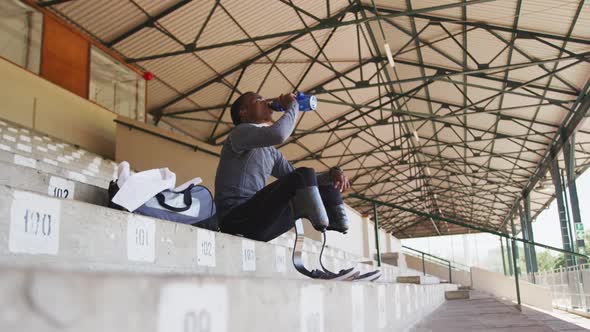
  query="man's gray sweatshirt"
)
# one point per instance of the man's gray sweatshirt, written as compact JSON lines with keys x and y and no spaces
{"x":249,"y":158}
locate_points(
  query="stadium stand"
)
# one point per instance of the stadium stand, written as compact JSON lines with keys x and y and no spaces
{"x":41,"y":174}
{"x":86,"y":85}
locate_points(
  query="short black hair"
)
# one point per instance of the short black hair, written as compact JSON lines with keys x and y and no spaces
{"x":236,"y":107}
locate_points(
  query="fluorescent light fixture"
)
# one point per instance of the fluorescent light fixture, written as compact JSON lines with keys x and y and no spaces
{"x":415,"y":137}
{"x":389,"y":55}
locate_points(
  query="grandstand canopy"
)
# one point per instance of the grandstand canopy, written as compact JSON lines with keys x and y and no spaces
{"x":481,"y":95}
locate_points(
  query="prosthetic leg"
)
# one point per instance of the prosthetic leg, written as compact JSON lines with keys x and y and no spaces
{"x":309,"y":204}
{"x":369,"y":276}
{"x":339,"y":222}
{"x":348,"y":275}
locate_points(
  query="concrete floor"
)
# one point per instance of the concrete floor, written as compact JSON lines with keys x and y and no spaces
{"x":485,"y":313}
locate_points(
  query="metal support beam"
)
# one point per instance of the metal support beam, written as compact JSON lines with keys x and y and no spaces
{"x":509,"y":253}
{"x":444,"y":76}
{"x":521,"y":33}
{"x":51,"y":3}
{"x":530,"y":236}
{"x":221,"y":76}
{"x":515,"y":262}
{"x":377,"y":244}
{"x":563,"y":220}
{"x":503,"y":257}
{"x":488,"y":76}
{"x":524,"y":230}
{"x":149,"y":22}
{"x":570,"y":225}
{"x":569,"y":152}
{"x":323,"y":25}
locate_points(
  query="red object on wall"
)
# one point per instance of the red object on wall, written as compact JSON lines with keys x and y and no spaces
{"x":65,"y":58}
{"x":148,"y":76}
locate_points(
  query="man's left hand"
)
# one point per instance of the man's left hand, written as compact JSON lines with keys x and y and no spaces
{"x":339,"y":180}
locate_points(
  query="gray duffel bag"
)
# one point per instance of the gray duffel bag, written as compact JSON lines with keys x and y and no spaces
{"x":193,"y":205}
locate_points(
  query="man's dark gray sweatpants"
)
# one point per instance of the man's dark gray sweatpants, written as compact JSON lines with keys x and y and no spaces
{"x":269,"y":213}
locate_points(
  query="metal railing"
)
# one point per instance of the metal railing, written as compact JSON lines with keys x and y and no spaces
{"x":509,"y":236}
{"x":570,"y":286}
{"x":424,"y":256}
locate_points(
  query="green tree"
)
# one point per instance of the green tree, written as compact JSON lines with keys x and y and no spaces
{"x":545,"y":260}
{"x":559,"y":261}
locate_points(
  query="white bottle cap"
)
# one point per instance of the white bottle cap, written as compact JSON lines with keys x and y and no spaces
{"x":313,"y":102}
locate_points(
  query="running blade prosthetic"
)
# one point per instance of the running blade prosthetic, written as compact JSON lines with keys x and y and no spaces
{"x":344,"y":275}
{"x":369,"y":276}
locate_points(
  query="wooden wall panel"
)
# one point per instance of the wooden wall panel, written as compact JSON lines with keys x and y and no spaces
{"x":65,"y":57}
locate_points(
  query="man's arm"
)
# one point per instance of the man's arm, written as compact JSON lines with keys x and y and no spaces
{"x":246,"y":136}
{"x":333,"y":177}
{"x":282,"y":166}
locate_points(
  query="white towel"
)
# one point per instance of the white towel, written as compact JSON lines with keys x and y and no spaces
{"x":123,"y":173}
{"x":195,"y":181}
{"x":136,"y":189}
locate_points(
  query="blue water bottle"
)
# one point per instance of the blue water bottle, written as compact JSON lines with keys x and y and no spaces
{"x":306,"y":103}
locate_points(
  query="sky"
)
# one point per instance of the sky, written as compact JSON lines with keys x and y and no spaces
{"x":483,"y":250}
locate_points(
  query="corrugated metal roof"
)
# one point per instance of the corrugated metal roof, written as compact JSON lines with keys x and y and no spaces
{"x":481,"y":134}
{"x":98,"y":16}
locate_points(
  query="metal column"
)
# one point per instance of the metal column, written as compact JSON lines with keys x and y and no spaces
{"x":503,"y":258}
{"x":524,"y":231}
{"x":557,"y":183}
{"x":527,"y":234}
{"x":515,"y":262}
{"x":531,"y":236}
{"x":377,"y":235}
{"x":570,"y":226}
{"x":569,"y":155}
{"x":509,"y":252}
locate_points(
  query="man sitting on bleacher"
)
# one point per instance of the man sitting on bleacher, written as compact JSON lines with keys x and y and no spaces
{"x":247,"y":207}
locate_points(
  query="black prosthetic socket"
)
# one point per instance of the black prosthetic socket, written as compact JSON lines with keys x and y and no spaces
{"x":307,"y":202}
{"x":334,"y":208}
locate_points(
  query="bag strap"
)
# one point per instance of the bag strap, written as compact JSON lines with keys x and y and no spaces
{"x":188,"y":201}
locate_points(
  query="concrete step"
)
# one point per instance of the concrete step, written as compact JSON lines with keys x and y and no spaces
{"x":464,"y":287}
{"x":457,"y":295}
{"x":37,"y":230}
{"x":63,"y":160}
{"x":31,"y":144}
{"x":418,"y":279}
{"x":52,"y":300}
{"x":24,"y":178}
{"x":409,"y":280}
{"x":30,"y":179}
{"x":390,"y":258}
{"x":49,"y":167}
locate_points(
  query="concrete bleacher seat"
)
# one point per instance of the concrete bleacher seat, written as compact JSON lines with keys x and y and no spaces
{"x":94,"y":237}
{"x":54,"y":300}
{"x":39,"y":181}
